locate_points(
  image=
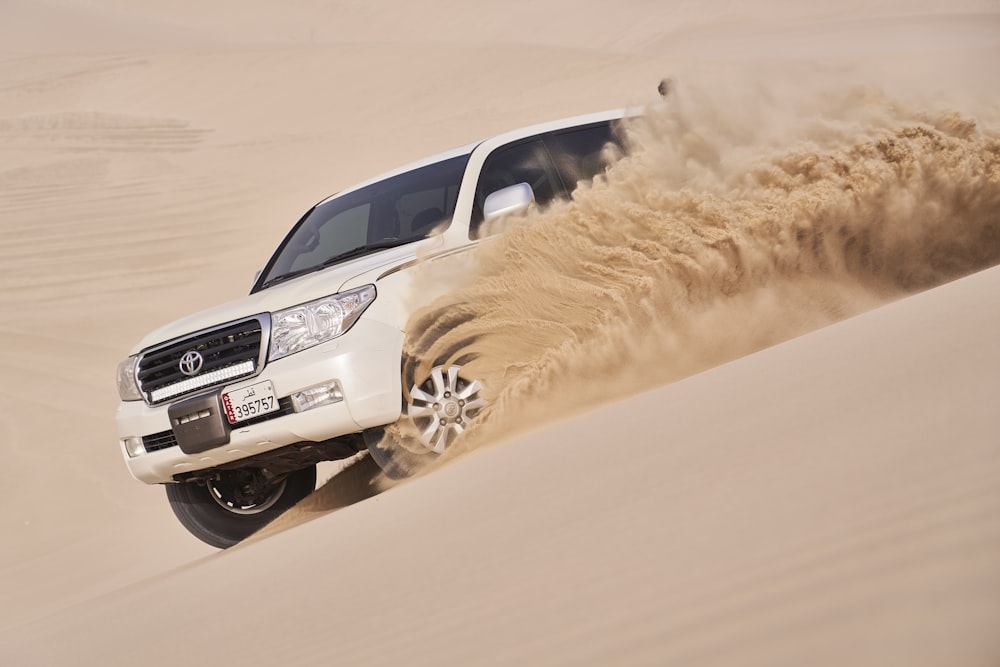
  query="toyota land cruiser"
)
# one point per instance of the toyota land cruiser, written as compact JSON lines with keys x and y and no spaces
{"x":232,"y":408}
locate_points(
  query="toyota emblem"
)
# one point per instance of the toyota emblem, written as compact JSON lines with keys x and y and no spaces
{"x":191,"y":363}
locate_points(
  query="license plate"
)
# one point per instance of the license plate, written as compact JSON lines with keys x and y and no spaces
{"x":249,"y":402}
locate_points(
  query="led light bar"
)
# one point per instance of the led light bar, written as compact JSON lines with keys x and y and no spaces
{"x":184,"y":386}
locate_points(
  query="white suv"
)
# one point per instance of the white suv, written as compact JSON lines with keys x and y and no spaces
{"x":233,"y":407}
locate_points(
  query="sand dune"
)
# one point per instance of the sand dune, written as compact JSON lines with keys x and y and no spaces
{"x":830,"y":500}
{"x":827,"y":501}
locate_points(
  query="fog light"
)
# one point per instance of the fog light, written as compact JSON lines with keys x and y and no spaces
{"x":133,"y":446}
{"x":318,"y":396}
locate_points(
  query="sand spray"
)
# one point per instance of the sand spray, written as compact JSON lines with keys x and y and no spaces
{"x":725,"y":230}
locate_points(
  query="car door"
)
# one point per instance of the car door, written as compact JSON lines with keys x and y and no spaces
{"x":524,"y":161}
{"x":553,"y":164}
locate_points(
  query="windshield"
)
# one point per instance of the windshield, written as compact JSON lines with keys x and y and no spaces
{"x":398,"y":210}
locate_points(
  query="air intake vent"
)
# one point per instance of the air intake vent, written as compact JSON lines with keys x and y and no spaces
{"x":207,"y":359}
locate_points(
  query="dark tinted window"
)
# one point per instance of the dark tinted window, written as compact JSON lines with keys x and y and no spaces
{"x":523,"y":162}
{"x":398,"y":210}
{"x":582,"y":153}
{"x":553,"y":168}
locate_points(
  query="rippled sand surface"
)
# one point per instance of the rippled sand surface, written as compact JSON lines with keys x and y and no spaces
{"x":745,"y":384}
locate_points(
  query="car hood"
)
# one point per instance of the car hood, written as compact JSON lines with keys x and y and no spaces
{"x":305,"y":288}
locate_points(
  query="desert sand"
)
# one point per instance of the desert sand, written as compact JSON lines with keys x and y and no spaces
{"x":796,"y":463}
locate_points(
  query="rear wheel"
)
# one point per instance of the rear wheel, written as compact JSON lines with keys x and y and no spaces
{"x":234,"y":504}
{"x":437,"y":410}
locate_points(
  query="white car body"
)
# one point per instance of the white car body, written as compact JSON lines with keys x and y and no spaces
{"x":363,"y":362}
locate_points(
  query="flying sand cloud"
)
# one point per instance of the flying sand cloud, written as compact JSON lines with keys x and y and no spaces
{"x":713,"y":239}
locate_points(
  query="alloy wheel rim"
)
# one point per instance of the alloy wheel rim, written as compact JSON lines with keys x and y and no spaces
{"x":443,"y":406}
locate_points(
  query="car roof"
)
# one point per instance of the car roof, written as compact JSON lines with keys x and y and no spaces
{"x":496,"y":140}
{"x":550,"y":126}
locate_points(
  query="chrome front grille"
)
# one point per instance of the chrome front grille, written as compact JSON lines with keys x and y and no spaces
{"x":203,"y":360}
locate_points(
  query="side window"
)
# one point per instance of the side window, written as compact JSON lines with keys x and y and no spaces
{"x":582,"y":153}
{"x":523,"y":162}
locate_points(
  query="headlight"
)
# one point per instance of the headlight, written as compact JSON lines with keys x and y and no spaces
{"x":299,"y":328}
{"x":128,"y":389}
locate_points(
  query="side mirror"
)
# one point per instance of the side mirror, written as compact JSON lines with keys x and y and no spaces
{"x":511,"y":199}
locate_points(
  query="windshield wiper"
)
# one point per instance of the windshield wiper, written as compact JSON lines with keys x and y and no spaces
{"x":336,"y":259}
{"x":366,"y":249}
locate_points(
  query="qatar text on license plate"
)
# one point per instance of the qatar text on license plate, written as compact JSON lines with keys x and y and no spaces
{"x":249,"y":402}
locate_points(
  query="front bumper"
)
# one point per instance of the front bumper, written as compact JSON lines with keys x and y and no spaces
{"x":365,"y":362}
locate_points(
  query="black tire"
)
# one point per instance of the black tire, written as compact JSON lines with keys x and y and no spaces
{"x":207,"y":513}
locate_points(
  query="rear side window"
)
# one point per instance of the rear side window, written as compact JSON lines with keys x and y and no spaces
{"x":580,"y":153}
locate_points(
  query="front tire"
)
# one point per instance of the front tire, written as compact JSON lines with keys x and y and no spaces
{"x":235,"y":504}
{"x":438,"y":410}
